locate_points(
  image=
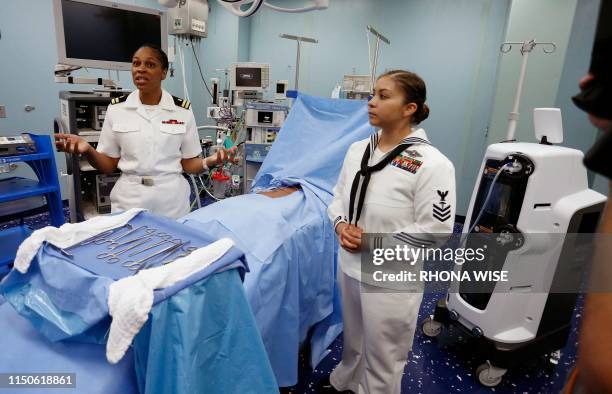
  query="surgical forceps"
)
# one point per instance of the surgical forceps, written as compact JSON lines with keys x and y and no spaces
{"x":140,"y":264}
{"x":187,"y":252}
{"x":112,"y":257}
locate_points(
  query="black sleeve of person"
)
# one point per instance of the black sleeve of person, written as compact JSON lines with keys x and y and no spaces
{"x":601,"y":58}
{"x":595,"y":98}
{"x":598,"y":157}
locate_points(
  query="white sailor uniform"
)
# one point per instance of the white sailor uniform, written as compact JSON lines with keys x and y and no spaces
{"x":413,"y":194}
{"x":150,"y":142}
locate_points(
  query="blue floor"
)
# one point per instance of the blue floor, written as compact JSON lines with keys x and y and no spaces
{"x":442,"y":365}
{"x":446,"y":365}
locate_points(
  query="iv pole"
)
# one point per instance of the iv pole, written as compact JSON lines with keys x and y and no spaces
{"x":526,"y":48}
{"x":299,"y":40}
{"x":374,"y":64}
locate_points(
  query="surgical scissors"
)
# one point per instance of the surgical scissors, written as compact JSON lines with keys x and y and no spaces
{"x":132,"y":231}
{"x":112,"y":257}
{"x":140,"y":264}
{"x":167,"y":238}
{"x":100,"y":236}
{"x":187,"y":252}
{"x":114,"y":245}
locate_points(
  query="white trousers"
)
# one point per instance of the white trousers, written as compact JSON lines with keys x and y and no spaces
{"x":378,"y":333}
{"x":168,"y":196}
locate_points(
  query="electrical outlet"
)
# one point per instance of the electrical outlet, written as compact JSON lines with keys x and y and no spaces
{"x":2,"y":111}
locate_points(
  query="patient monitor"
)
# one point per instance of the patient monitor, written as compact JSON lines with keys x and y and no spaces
{"x":254,"y":77}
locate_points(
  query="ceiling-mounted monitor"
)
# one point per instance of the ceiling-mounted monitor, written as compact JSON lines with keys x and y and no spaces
{"x":103,"y":34}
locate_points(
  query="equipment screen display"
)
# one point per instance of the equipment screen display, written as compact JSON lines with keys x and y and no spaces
{"x":499,"y":202}
{"x":96,"y":32}
{"x":280,"y":88}
{"x":248,"y":77}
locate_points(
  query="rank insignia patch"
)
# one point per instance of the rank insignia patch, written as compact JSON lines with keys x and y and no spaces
{"x":442,"y":210}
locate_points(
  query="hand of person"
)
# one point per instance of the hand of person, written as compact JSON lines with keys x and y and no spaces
{"x":584,"y":81}
{"x":349,"y":237}
{"x":222,"y":156}
{"x":71,"y":143}
{"x":600,"y":123}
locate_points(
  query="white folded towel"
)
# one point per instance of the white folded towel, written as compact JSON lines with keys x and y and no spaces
{"x":68,"y":235}
{"x":130,"y":299}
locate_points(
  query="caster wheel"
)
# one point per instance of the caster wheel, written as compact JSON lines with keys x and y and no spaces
{"x":431,"y":328}
{"x":489,"y":375}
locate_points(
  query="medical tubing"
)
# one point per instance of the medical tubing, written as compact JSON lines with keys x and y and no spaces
{"x":207,"y":192}
{"x":484,"y":204}
{"x":195,"y":189}
{"x":182,"y":61}
{"x":200,"y":69}
{"x":213,"y":197}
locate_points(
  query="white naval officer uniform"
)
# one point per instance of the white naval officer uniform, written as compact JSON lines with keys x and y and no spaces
{"x":150,"y":142}
{"x":413,"y":194}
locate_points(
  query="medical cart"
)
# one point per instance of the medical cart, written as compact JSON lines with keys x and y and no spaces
{"x":41,"y":158}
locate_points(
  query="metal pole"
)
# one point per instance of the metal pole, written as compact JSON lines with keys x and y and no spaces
{"x":514,"y":115}
{"x":375,"y":63}
{"x":299,"y":41}
{"x":379,"y":37}
{"x":297,"y":65}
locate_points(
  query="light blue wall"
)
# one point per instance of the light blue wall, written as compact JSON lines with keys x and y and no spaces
{"x":244,"y":39}
{"x":451,"y":44}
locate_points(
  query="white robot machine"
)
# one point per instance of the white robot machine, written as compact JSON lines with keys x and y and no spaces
{"x":528,"y":197}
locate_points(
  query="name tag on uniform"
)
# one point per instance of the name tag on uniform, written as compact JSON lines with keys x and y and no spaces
{"x":172,"y":121}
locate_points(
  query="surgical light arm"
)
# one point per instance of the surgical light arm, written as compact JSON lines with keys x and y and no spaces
{"x":235,"y":6}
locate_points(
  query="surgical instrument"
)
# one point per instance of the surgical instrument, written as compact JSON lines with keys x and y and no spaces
{"x":102,"y":235}
{"x":114,"y":245}
{"x":167,"y":238}
{"x":139,"y":264}
{"x":112,"y":257}
{"x":97,"y":237}
{"x":186,"y":253}
{"x":65,"y":253}
{"x":103,"y":241}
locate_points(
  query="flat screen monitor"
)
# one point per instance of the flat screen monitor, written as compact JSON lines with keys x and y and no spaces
{"x":103,"y":34}
{"x":249,"y":76}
